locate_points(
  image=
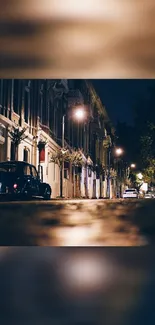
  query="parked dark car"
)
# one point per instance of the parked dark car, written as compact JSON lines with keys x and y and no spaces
{"x":20,"y":179}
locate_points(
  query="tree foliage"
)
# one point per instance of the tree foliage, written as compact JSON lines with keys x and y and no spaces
{"x":107,"y":142}
{"x":17,"y":134}
{"x":149,"y":172}
{"x":76,"y":157}
{"x":139,"y":140}
{"x":60,"y":156}
{"x":135,"y":182}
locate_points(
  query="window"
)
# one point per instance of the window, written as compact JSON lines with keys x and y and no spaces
{"x":41,"y":101}
{"x":89,"y":172}
{"x":66,"y":173}
{"x":45,"y":117}
{"x":5,"y":94}
{"x":26,"y":106}
{"x":26,"y":155}
{"x":34,"y":172}
{"x":16,"y":96}
{"x":27,"y":170}
{"x":13,"y":149}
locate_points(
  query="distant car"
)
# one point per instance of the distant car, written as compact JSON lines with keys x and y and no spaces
{"x":21,"y":179}
{"x":149,"y":196}
{"x":130,"y":193}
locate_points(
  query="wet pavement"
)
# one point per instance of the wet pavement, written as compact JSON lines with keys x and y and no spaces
{"x":77,"y":223}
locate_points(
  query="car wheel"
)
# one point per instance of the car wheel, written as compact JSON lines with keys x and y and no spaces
{"x":47,"y":194}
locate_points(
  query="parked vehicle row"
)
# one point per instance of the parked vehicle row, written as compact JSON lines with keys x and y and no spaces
{"x":21,"y":180}
{"x":133,"y":193}
{"x":130,"y":193}
{"x":149,"y":195}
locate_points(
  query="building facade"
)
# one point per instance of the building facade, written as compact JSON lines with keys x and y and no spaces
{"x":41,"y":106}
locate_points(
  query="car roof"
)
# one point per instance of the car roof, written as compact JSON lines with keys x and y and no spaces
{"x":14,"y":162}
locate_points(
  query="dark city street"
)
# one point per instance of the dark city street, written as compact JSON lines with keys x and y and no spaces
{"x":78,"y":223}
{"x":79,"y":172}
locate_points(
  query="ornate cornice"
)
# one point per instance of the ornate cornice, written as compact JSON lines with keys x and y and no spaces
{"x":95,"y":99}
{"x":75,"y":97}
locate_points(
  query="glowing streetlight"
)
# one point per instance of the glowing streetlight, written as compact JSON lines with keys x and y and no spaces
{"x":119,"y":151}
{"x":79,"y":114}
{"x":133,"y":165}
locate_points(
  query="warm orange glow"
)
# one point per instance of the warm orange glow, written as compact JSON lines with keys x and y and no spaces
{"x":119,"y":151}
{"x":79,"y":114}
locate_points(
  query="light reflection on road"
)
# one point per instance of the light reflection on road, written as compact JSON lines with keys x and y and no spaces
{"x":75,"y":223}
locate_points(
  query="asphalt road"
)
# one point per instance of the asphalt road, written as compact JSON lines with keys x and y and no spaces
{"x":79,"y":285}
{"x":77,"y":223}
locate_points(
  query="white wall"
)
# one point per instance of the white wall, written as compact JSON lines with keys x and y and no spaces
{"x":97,"y":188}
{"x":54,"y":178}
{"x":82,"y":182}
{"x":90,"y":185}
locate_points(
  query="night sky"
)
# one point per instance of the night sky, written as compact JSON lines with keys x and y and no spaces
{"x":120,"y":96}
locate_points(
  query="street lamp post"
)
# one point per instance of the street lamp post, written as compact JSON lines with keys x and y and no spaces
{"x":118,"y":152}
{"x":108,"y":178}
{"x":132,"y":166}
{"x":79,"y":115}
{"x":62,"y":163}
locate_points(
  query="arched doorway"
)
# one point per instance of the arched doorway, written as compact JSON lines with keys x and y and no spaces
{"x":26,"y":154}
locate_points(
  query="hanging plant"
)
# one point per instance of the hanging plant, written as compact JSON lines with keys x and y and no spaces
{"x":77,"y":158}
{"x":89,"y":162}
{"x":17,"y":134}
{"x":107,"y":142}
{"x":60,"y":156}
{"x":102,"y":170}
{"x":113,"y":173}
{"x":41,"y":144}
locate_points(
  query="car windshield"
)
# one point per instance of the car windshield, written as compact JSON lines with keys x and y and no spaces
{"x":130,"y":191}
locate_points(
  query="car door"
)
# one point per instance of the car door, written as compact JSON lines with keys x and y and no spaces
{"x":28,"y":180}
{"x":35,"y":180}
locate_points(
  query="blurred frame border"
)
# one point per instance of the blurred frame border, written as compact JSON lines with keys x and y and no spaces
{"x":77,"y":39}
